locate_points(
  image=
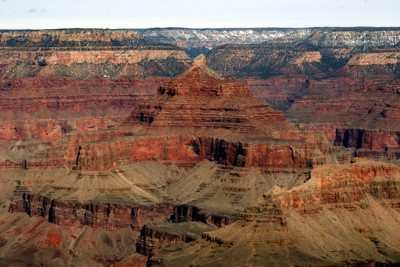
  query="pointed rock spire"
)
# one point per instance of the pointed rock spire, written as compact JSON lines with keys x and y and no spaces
{"x":199,"y":69}
{"x":200,"y":61}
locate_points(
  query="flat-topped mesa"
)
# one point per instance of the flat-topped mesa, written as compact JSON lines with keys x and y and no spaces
{"x":201,"y":80}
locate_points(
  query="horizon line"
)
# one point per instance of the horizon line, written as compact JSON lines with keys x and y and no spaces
{"x":201,"y":28}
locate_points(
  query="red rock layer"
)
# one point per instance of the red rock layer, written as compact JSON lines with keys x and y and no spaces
{"x":62,"y":105}
{"x":370,"y":143}
{"x":339,"y":185}
{"x":199,"y":115}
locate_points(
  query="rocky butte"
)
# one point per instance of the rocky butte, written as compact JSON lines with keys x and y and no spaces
{"x":171,"y":163}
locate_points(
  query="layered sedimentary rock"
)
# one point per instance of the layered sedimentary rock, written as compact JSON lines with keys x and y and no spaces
{"x":153,"y":237}
{"x":344,"y":213}
{"x":111,"y":64}
{"x":86,"y":53}
{"x":301,"y":68}
{"x":201,"y":172}
{"x":199,"y":115}
{"x":207,"y":125}
{"x":196,"y":41}
{"x":61,"y":68}
{"x":376,"y":133}
{"x":315,"y":53}
{"x":105,"y":216}
{"x":328,"y":79}
{"x":370,"y":143}
{"x":34,"y":241}
{"x":342,"y":186}
{"x":57,"y":83}
{"x":123,"y":198}
{"x":61,"y":105}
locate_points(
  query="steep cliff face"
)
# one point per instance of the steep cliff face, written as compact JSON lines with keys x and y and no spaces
{"x":185,"y":213}
{"x":370,"y":143}
{"x":367,"y":120}
{"x":105,"y":216}
{"x":187,"y":151}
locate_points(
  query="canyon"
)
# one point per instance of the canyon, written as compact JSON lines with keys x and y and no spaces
{"x":132,"y":148}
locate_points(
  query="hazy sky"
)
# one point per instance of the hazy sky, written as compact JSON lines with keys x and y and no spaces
{"x":36,"y":14}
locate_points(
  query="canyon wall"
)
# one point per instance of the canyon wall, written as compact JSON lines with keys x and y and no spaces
{"x":109,"y":156}
{"x":105,"y":216}
{"x":187,"y":151}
